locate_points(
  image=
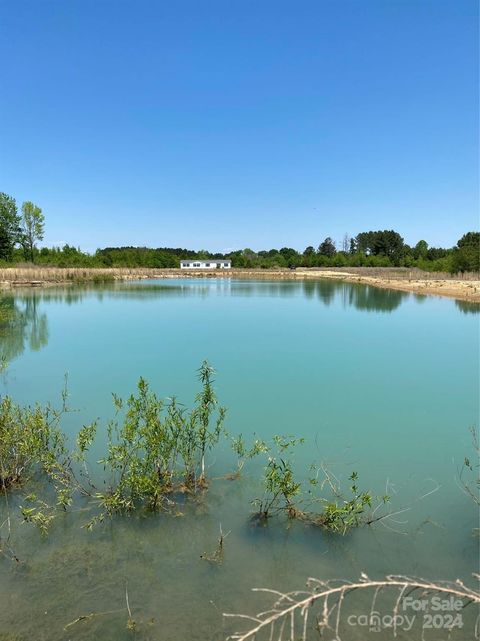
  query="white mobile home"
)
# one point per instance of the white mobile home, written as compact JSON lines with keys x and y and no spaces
{"x":206,"y":264}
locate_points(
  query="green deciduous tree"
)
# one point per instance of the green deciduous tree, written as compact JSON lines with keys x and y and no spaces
{"x":421,"y":249}
{"x":290,"y":255}
{"x":9,"y":226}
{"x":33,"y":227}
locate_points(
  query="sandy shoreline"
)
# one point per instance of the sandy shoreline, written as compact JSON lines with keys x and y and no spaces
{"x":467,"y":289}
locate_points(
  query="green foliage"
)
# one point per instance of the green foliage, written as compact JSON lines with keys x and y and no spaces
{"x":156,"y":454}
{"x":157,"y":448}
{"x":466,"y":257}
{"x":244,"y":453}
{"x":369,"y":248}
{"x":327,"y":248}
{"x":9,"y":226}
{"x":40,"y":514}
{"x":471,"y":239}
{"x":420,"y":250}
{"x":31,"y":443}
{"x":373,"y":249}
{"x":284,"y":493}
{"x":387,"y":243}
{"x":33,"y":228}
{"x":343,"y":514}
{"x":280,"y":485}
{"x":207,"y":403}
{"x":66,"y":256}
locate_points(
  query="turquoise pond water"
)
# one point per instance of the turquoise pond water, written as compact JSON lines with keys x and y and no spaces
{"x":381,"y":382}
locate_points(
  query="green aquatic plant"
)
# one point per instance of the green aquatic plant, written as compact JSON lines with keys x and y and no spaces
{"x":157,"y":448}
{"x":284,"y":493}
{"x":345,"y":512}
{"x":33,"y":450}
{"x":39,"y":513}
{"x":207,"y":434}
{"x":245,"y":453}
{"x":156,"y":456}
{"x":31,"y":442}
{"x":137,"y":450}
{"x":280,"y":485}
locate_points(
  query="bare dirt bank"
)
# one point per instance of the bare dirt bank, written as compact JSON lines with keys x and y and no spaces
{"x":418,"y":282}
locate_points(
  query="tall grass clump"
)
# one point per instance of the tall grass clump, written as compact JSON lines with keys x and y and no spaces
{"x":36,"y":274}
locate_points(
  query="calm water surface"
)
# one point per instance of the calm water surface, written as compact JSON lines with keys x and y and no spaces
{"x":377,"y":381}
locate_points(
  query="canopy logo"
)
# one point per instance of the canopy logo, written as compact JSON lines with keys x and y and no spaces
{"x":375,"y":622}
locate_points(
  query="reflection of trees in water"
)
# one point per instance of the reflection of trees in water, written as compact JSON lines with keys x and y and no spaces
{"x":362,"y":297}
{"x":325,"y":290}
{"x":128,"y":291}
{"x":367,"y":298}
{"x":467,"y":307}
{"x":69,"y":295}
{"x":19,"y":317}
{"x":264,"y":287}
{"x":20,"y":325}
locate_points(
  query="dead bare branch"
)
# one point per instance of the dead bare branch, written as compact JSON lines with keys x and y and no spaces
{"x":329,"y":596}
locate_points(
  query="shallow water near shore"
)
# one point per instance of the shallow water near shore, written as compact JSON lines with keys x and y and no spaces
{"x":377,"y":381}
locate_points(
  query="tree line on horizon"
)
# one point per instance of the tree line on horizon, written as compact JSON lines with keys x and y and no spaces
{"x":20,"y":233}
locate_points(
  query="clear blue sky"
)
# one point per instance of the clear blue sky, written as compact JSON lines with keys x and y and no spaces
{"x":241,"y":123}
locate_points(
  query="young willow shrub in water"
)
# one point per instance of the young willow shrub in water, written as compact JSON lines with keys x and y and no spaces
{"x":343,"y":513}
{"x":283,"y":493}
{"x":31,"y":443}
{"x":280,"y":485}
{"x":157,"y":448}
{"x":156,"y":453}
{"x":245,"y":453}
